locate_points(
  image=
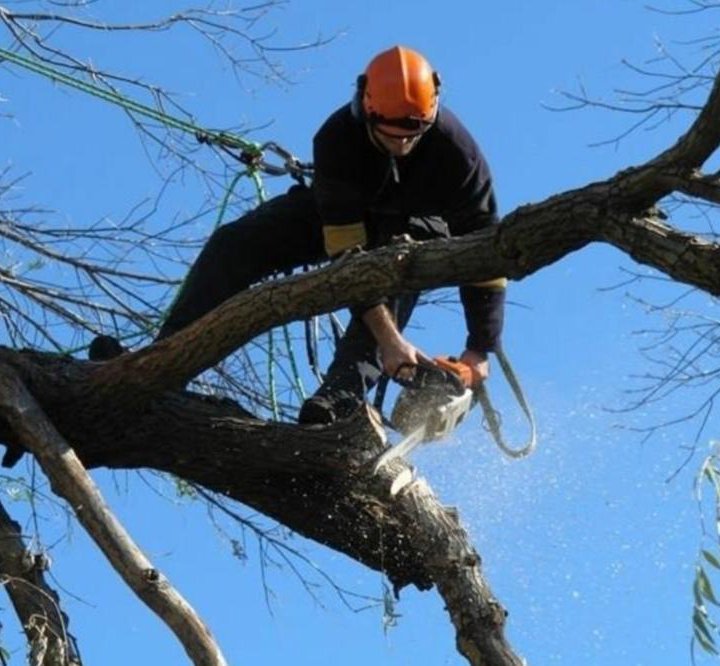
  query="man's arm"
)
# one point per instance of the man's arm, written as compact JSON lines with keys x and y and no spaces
{"x":471,"y":207}
{"x":484,"y":306}
{"x":395,"y":350}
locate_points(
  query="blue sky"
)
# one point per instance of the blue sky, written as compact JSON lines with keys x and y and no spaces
{"x":587,"y":543}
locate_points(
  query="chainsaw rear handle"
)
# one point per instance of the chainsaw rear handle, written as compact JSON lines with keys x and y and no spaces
{"x":425,"y":375}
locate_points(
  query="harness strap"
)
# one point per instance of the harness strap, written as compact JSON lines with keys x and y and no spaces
{"x":492,"y":416}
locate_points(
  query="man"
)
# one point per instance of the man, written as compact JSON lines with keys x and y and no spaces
{"x":391,"y":162}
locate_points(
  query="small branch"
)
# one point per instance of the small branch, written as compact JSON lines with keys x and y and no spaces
{"x":695,"y":184}
{"x":701,"y":140}
{"x":69,"y":480}
{"x":35,"y":602}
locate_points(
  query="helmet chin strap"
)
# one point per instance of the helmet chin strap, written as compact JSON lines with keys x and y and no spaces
{"x":381,"y":147}
{"x":374,"y":140}
{"x":393,"y":158}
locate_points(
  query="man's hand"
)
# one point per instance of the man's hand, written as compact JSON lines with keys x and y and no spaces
{"x":395,"y":350}
{"x":396,"y":353}
{"x":478,"y":362}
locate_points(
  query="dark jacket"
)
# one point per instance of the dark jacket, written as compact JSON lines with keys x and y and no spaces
{"x":442,"y":188}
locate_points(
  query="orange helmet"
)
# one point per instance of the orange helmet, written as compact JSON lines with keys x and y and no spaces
{"x":400,"y":88}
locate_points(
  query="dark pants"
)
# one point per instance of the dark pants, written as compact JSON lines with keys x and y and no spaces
{"x":279,"y":236}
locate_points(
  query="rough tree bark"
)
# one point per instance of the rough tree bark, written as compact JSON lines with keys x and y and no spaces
{"x":36,"y":604}
{"x":315,"y":480}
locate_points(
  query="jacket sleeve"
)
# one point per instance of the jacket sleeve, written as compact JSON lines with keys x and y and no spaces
{"x":483,"y":303}
{"x":484,"y":307}
{"x":343,"y":226}
{"x":337,"y":187}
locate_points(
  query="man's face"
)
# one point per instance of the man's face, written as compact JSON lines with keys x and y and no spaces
{"x":396,"y":143}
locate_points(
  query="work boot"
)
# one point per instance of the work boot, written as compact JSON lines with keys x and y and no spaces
{"x":13,"y":453}
{"x":105,"y":347}
{"x":317,"y":410}
{"x":329,"y":408}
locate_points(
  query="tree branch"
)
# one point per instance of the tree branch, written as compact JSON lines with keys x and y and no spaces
{"x":642,"y":187}
{"x":36,"y":603}
{"x":69,"y":480}
{"x":695,"y":184}
{"x":528,"y":239}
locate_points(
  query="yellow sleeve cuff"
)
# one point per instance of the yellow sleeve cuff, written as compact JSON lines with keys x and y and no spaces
{"x":339,"y":238}
{"x":497,"y":283}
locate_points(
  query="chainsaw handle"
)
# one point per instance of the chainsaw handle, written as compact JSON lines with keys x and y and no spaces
{"x":429,"y":374}
{"x":404,"y":381}
{"x":467,"y":373}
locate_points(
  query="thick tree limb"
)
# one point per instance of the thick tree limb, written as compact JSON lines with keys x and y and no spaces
{"x":36,"y":603}
{"x":69,"y":480}
{"x":529,"y":239}
{"x":315,"y":480}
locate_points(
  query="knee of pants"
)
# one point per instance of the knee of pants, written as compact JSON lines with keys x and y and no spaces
{"x":224,"y":239}
{"x":238,"y":253}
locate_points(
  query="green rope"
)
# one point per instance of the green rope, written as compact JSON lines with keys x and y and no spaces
{"x":259,"y":185}
{"x":254,"y":150}
{"x":272,"y":386}
{"x":129,"y":104}
{"x":229,"y":192}
{"x":227,"y":139}
{"x":224,"y":138}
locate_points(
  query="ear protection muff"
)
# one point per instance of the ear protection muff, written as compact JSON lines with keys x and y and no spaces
{"x":437,"y":81}
{"x":357,"y":107}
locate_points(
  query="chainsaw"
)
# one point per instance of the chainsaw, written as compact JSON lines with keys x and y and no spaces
{"x":437,"y":398}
